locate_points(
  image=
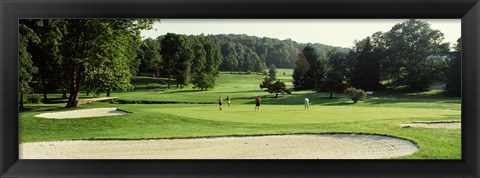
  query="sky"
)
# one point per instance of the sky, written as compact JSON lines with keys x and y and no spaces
{"x":334,"y":32}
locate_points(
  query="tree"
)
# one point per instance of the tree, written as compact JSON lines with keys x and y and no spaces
{"x":409,"y":47}
{"x":214,"y":56}
{"x":26,"y":67}
{"x":150,"y":56}
{"x":274,"y":86}
{"x":259,"y":66}
{"x":205,"y":77}
{"x":272,"y":72}
{"x":366,"y":67}
{"x":335,"y":72}
{"x":169,"y":45}
{"x":248,"y":60}
{"x":230,"y":56}
{"x":178,"y":55}
{"x":301,"y":68}
{"x":200,"y":56}
{"x":332,"y":83}
{"x":279,"y":54}
{"x":92,"y":44}
{"x":45,"y":53}
{"x":309,"y":69}
{"x":112,"y":70}
{"x":454,"y":71}
{"x":241,"y":56}
{"x":203,"y":81}
{"x":183,"y":62}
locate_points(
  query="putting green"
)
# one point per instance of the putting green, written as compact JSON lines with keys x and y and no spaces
{"x":295,"y":114}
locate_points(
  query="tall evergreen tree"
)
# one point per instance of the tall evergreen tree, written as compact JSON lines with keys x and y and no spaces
{"x":365,"y":74}
{"x":309,"y":69}
{"x":301,"y":68}
{"x":272,"y":72}
{"x":454,"y":72}
{"x":335,"y":73}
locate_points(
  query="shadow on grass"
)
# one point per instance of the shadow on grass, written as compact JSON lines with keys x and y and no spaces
{"x":39,"y":108}
{"x":339,"y":100}
{"x":244,"y":91}
{"x":339,"y":104}
{"x":148,"y":87}
{"x":396,"y":100}
{"x":299,"y":99}
{"x":184,"y":91}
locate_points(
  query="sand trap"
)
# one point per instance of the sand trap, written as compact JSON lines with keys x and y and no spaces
{"x":446,"y":125}
{"x":97,"y":112}
{"x":322,"y":146}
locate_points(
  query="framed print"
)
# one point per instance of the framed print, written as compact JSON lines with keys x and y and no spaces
{"x":239,"y":88}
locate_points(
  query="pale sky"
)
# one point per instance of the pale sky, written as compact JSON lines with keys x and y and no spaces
{"x":334,"y":32}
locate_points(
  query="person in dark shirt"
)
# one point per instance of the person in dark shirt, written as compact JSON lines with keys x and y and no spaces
{"x":228,"y":101}
{"x":257,"y":103}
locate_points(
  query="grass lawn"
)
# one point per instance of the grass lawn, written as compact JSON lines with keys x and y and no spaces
{"x":381,"y":113}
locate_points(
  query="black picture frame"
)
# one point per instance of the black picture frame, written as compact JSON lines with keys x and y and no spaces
{"x":12,"y":10}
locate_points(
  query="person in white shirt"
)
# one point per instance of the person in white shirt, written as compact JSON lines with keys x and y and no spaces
{"x":220,"y":102}
{"x":307,"y":103}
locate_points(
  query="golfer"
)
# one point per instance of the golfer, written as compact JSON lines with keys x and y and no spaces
{"x":228,"y":101}
{"x":257,"y":103}
{"x":220,"y":101}
{"x":307,"y":103}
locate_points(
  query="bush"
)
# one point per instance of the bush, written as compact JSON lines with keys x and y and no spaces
{"x":33,"y":99}
{"x":355,"y":94}
{"x":265,"y":72}
{"x":114,"y":101}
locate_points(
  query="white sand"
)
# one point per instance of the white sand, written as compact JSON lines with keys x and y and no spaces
{"x":97,"y":112}
{"x":322,"y":146}
{"x":446,"y":125}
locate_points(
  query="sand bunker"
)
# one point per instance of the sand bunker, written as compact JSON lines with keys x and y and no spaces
{"x":322,"y":146}
{"x":446,"y":125}
{"x":97,"y":112}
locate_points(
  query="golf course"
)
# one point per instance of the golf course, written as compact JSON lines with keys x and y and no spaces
{"x":146,"y":89}
{"x":381,"y":113}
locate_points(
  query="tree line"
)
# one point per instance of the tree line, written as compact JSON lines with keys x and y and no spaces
{"x":411,"y":56}
{"x":245,"y":53}
{"x":251,"y":53}
{"x":68,"y":55}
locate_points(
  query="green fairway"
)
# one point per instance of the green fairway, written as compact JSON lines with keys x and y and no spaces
{"x":380,"y":113}
{"x":237,"y":86}
{"x":290,"y":114}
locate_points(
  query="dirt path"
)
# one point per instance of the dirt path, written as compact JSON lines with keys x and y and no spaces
{"x":322,"y":146}
{"x":90,"y":100}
